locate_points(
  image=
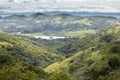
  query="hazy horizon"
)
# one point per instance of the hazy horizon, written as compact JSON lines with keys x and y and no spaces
{"x":60,"y":5}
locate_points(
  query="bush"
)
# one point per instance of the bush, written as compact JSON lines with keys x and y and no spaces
{"x":107,"y":38}
{"x":115,"y":49}
{"x":114,"y":62}
{"x":5,"y":59}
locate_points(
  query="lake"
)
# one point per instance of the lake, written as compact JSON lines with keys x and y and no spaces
{"x":48,"y":37}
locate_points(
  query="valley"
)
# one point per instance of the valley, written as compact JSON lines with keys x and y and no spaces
{"x":59,"y":47}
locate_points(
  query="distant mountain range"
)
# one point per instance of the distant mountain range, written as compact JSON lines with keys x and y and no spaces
{"x":57,"y":23}
{"x":67,"y":13}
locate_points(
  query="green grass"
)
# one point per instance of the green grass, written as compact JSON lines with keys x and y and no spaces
{"x":80,"y":33}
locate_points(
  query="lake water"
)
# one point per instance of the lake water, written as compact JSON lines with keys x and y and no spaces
{"x":48,"y":37}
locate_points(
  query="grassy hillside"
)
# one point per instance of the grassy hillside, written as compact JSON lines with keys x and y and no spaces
{"x":99,"y":59}
{"x":24,"y":59}
{"x":27,"y":50}
{"x":14,"y":69}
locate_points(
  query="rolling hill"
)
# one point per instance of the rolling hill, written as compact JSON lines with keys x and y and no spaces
{"x":100,"y":60}
{"x":56,"y":25}
{"x":27,"y":50}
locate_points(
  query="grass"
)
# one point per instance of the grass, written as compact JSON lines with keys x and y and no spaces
{"x":59,"y":65}
{"x":5,"y":44}
{"x":80,"y":33}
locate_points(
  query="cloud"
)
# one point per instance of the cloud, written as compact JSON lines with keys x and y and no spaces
{"x":60,"y":5}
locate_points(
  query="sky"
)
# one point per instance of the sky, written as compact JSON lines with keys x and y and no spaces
{"x":60,"y":5}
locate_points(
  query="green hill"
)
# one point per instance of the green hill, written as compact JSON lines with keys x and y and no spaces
{"x":27,"y":50}
{"x":24,"y":59}
{"x":14,"y":69}
{"x":56,"y":25}
{"x":98,"y":59}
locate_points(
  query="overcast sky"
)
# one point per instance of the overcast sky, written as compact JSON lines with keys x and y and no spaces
{"x":60,"y":5}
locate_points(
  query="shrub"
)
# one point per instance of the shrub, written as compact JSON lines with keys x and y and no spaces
{"x":115,"y":49}
{"x":107,"y":38}
{"x":114,"y":62}
{"x":5,"y":59}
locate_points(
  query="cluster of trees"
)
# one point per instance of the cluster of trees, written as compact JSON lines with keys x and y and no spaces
{"x":13,"y":69}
